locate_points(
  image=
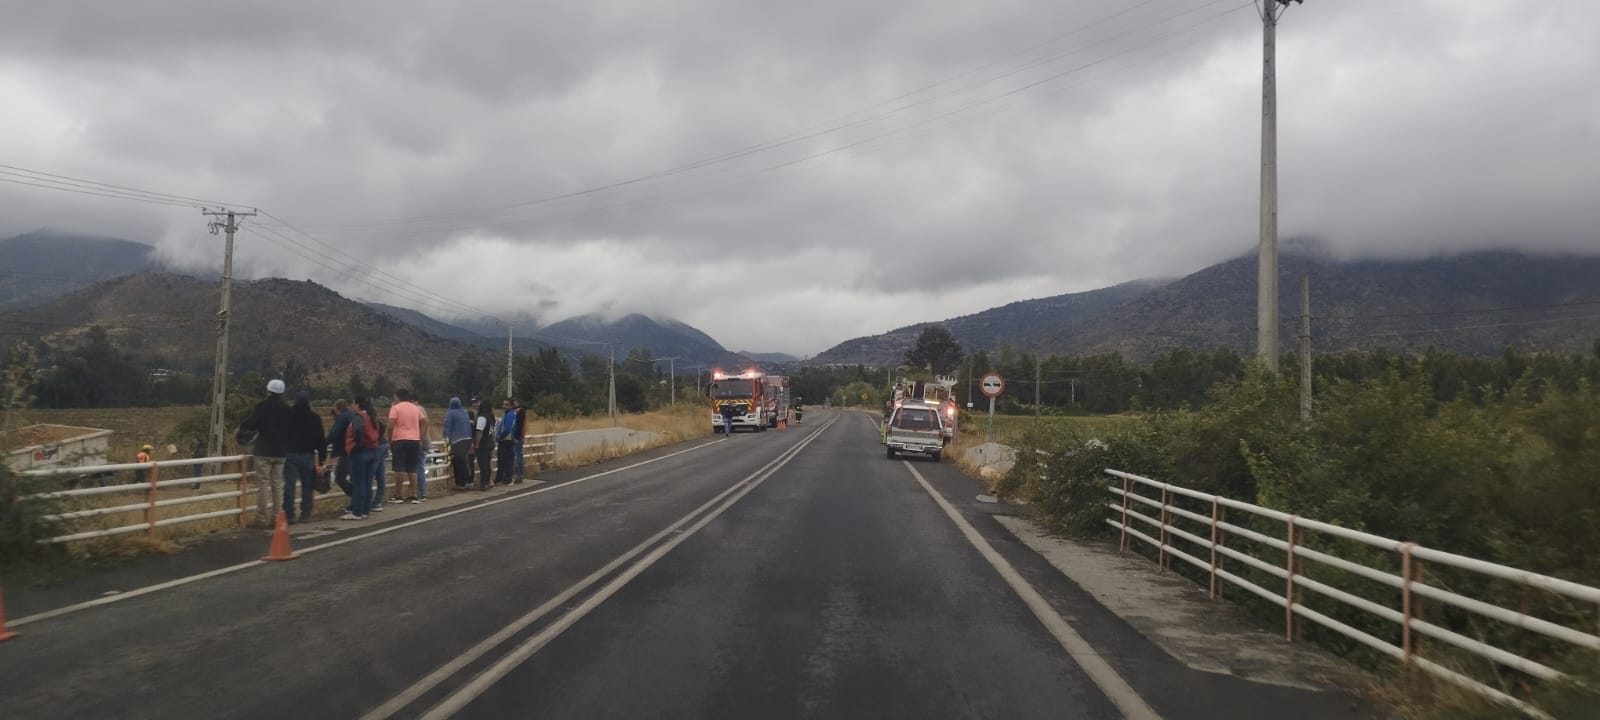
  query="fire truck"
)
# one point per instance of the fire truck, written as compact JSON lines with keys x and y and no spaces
{"x":938,"y":394}
{"x":747,"y":393}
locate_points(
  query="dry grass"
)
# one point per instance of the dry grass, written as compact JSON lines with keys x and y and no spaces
{"x":131,"y":427}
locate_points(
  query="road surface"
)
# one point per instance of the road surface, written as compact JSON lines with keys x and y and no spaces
{"x":792,"y":574}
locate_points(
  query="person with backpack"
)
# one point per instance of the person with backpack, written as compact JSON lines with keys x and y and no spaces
{"x":361,"y":446}
{"x":506,"y":435}
{"x":268,"y":427}
{"x":307,"y":450}
{"x":483,"y":443}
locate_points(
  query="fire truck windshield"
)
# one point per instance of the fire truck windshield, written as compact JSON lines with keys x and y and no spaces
{"x":733,"y":388}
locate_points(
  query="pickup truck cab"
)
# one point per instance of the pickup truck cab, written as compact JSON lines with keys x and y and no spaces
{"x":915,"y":427}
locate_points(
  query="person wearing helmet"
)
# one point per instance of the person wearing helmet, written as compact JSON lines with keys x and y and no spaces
{"x":269,"y":426}
{"x":141,"y":475}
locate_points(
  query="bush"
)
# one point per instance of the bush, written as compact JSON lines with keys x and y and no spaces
{"x":553,"y":407}
{"x":23,"y":523}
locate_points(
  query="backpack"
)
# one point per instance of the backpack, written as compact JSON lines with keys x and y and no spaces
{"x":362,"y":433}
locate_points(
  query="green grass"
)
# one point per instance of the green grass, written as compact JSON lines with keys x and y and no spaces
{"x":1008,"y":429}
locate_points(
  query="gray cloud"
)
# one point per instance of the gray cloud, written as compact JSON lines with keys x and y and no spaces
{"x":1405,"y":129}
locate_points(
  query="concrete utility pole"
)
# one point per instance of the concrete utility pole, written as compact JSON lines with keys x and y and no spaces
{"x":219,"y":373}
{"x":1267,"y":265}
{"x":611,"y":372}
{"x":510,"y":391}
{"x":1305,"y":346}
{"x":1073,"y":397}
{"x":1038,"y":382}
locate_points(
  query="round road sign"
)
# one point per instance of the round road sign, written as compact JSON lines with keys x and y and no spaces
{"x":993,"y":385}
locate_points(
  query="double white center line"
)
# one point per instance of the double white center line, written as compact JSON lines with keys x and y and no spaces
{"x":679,"y":531}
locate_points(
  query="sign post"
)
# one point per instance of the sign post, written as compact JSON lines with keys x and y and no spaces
{"x":992,"y":385}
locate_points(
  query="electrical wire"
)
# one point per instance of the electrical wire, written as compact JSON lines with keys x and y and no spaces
{"x":784,"y":140}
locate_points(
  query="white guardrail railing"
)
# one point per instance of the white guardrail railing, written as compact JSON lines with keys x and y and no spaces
{"x":1291,"y":543}
{"x":233,"y":469}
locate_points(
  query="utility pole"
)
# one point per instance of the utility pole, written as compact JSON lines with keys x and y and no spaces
{"x":219,"y":373}
{"x":1267,"y":264}
{"x":1305,"y":346}
{"x":1073,"y":397}
{"x":510,"y":393}
{"x":672,"y":379}
{"x":612,"y":382}
{"x":1038,"y":382}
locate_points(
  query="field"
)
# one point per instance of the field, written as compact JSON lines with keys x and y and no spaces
{"x":132,"y":427}
{"x":1008,"y":429}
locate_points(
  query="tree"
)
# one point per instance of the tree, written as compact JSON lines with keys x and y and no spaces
{"x":471,"y":375}
{"x":382,"y":386}
{"x":935,"y":349}
{"x":95,"y":373}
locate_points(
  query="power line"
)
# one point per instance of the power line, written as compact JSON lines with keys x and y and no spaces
{"x":793,"y":138}
{"x":113,"y":196}
{"x":186,"y":199}
{"x":739,"y":180}
{"x":379,"y":272}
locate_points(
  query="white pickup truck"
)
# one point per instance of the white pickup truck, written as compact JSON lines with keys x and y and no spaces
{"x":915,"y":427}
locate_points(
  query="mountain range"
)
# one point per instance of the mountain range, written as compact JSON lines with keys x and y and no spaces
{"x":55,"y":285}
{"x":1476,"y":303}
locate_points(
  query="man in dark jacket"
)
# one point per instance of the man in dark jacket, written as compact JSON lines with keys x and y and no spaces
{"x":270,"y":425}
{"x":307,"y":450}
{"x":520,"y":433}
{"x":341,"y":423}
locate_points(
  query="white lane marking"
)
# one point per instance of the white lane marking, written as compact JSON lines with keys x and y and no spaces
{"x":446,"y":671}
{"x":1115,"y":688}
{"x":58,"y":612}
{"x":480,"y":684}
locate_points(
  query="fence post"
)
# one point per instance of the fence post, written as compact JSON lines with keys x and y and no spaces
{"x":1215,"y":534}
{"x":1405,"y":602}
{"x":150,"y":498}
{"x":1162,"y":559}
{"x":1127,"y":487}
{"x":240,"y":467}
{"x":1288,"y":591}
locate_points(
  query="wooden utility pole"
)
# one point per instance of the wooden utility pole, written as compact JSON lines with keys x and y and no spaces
{"x":228,"y":222}
{"x":1305,"y":346}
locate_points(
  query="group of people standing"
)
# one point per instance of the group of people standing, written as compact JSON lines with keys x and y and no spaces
{"x":290,"y":450}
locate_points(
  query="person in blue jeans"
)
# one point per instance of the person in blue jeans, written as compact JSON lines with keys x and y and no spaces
{"x":363,"y":460}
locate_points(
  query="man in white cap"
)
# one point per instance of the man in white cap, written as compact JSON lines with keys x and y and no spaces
{"x":269,"y":425}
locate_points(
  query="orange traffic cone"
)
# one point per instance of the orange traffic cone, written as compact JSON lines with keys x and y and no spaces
{"x":280,"y":541}
{"x":4,"y":633}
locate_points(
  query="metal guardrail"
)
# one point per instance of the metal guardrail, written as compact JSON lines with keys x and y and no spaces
{"x":437,"y":464}
{"x":537,"y":449}
{"x":1408,"y":582}
{"x":151,"y":487}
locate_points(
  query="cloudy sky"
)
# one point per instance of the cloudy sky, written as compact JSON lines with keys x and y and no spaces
{"x":789,"y":175}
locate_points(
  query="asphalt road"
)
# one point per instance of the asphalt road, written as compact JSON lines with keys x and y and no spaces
{"x":777,"y":575}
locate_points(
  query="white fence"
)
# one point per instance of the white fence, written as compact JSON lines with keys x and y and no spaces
{"x":538,"y":450}
{"x":1291,"y":543}
{"x":235,"y":470}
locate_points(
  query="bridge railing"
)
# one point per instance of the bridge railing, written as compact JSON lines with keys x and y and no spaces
{"x":1203,"y":540}
{"x":233,"y":470}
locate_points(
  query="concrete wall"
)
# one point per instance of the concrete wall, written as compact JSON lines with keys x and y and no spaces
{"x":581,"y":442}
{"x":992,"y":459}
